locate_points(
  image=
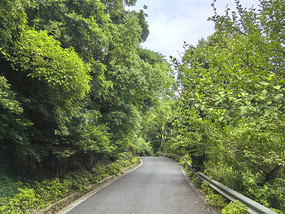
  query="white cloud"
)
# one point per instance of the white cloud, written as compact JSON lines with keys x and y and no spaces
{"x":173,"y":22}
{"x":167,"y":36}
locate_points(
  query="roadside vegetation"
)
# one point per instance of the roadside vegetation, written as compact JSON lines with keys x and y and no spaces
{"x":229,"y":118}
{"x":18,"y":197}
{"x":80,"y":99}
{"x":75,"y":88}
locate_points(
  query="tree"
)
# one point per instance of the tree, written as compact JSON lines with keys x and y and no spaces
{"x":144,"y":25}
{"x":231,"y":109}
{"x":75,"y":72}
{"x":13,"y":138}
{"x":11,"y":23}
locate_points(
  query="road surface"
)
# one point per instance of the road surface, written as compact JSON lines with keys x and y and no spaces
{"x":156,"y":187}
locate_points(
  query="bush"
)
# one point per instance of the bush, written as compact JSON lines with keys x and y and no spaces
{"x":52,"y":190}
{"x":23,"y":202}
{"x":134,"y":160}
{"x":216,"y":200}
{"x":212,"y":198}
{"x":38,"y":195}
{"x":8,"y":187}
{"x":206,"y":187}
{"x":235,"y":208}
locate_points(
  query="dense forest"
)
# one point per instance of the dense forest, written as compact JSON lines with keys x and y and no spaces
{"x":229,"y":118}
{"x":75,"y":87}
{"x":75,"y":83}
{"x":78,"y":92}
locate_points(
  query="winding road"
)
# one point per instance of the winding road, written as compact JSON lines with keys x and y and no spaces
{"x":156,"y":187}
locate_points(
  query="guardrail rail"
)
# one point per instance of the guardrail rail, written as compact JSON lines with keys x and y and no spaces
{"x":252,"y":206}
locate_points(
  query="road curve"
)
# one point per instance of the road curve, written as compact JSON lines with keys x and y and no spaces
{"x":157,"y":187}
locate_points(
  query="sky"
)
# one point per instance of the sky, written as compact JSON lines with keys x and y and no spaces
{"x":171,"y":22}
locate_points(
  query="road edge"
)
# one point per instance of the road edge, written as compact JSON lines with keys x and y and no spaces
{"x":197,"y":191}
{"x":97,"y":189}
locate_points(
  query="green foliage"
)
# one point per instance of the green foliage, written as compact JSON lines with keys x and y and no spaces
{"x":47,"y":61}
{"x":51,"y":190}
{"x":32,"y":197}
{"x":39,"y":195}
{"x":183,"y":163}
{"x":216,"y":200}
{"x":135,"y":160}
{"x":142,"y":148}
{"x":74,"y":83}
{"x":144,"y":25}
{"x":206,"y":187}
{"x":229,"y":117}
{"x":13,"y":125}
{"x":12,"y":20}
{"x":212,"y":198}
{"x":7,"y":98}
{"x":24,"y":202}
{"x":154,"y":128}
{"x":8,"y":186}
{"x":235,"y":208}
{"x":75,"y":86}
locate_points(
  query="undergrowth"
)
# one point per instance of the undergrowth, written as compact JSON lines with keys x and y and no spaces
{"x":18,"y":198}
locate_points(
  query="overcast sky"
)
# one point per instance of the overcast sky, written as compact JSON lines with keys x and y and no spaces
{"x":172,"y":22}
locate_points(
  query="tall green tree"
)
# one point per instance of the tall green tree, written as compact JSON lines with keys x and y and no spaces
{"x":76,"y":82}
{"x":231,"y":110}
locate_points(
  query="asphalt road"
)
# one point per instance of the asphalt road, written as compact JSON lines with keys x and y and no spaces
{"x":157,"y":187}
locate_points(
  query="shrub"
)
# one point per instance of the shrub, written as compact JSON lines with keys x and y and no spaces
{"x":216,"y":200}
{"x":8,"y":187}
{"x":52,"y":190}
{"x":23,"y":202}
{"x":235,"y":208}
{"x":38,"y":195}
{"x":134,"y":160}
{"x":183,"y":163}
{"x":206,"y":187}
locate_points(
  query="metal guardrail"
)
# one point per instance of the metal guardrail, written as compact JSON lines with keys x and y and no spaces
{"x":252,"y":206}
